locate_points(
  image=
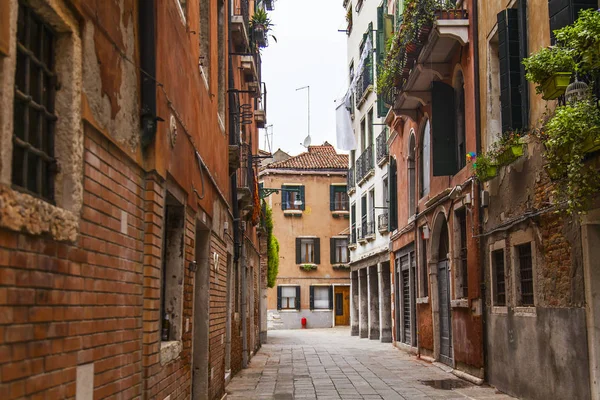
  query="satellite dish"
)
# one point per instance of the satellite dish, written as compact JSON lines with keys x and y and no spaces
{"x":306,"y":141}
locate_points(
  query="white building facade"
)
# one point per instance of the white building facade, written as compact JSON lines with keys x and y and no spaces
{"x":369,"y":25}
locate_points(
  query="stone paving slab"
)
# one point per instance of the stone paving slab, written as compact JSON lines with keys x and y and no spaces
{"x":322,"y":364}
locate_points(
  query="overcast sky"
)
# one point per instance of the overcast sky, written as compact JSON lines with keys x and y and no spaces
{"x":309,"y":51}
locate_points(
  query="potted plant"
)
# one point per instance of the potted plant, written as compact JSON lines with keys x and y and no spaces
{"x":261,"y":25}
{"x":308,"y":267}
{"x":583,"y":38}
{"x":485,"y":167}
{"x":551,"y":69}
{"x":508,"y":148}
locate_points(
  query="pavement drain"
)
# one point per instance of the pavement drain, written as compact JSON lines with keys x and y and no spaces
{"x":447,"y":384}
{"x":283,"y":396}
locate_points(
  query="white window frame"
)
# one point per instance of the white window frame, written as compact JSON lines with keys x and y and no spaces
{"x":516,"y":239}
{"x":498,"y":245}
{"x":324,"y":289}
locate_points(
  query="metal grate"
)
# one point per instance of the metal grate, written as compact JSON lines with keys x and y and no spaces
{"x":526,"y":274}
{"x":462,"y":222}
{"x":499,"y":281}
{"x":33,"y":164}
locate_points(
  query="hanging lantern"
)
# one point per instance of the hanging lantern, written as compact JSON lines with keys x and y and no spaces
{"x":576,"y":91}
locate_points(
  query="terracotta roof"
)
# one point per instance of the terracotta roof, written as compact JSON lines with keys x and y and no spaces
{"x":317,"y":157}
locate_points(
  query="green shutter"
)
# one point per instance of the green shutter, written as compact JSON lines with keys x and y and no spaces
{"x":385,"y":27}
{"x":283,"y":198}
{"x":331,"y":198}
{"x":298,"y":298}
{"x":312,"y":298}
{"x":443,"y":130}
{"x":279,"y":297}
{"x":332,"y":259}
{"x":331,"y":297}
{"x":523,"y":84}
{"x":393,"y":196}
{"x":565,"y":12}
{"x":298,"y":251}
{"x":510,"y":69}
{"x":317,"y":243}
{"x":302,"y":198}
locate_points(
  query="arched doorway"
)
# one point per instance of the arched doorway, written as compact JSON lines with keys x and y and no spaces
{"x":440,"y":251}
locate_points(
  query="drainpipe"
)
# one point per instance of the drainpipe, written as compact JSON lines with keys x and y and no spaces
{"x":476,"y":75}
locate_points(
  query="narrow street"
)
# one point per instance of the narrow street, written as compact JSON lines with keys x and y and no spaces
{"x":331,"y":364}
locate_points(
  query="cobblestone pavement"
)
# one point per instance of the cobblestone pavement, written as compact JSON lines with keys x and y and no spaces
{"x":331,"y":364}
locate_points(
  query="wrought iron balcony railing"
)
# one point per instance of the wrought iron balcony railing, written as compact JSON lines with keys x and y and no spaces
{"x":364,"y":164}
{"x":365,"y":79}
{"x":382,"y":147}
{"x":352,"y":238}
{"x":382,"y":222}
{"x":241,"y":8}
{"x":351,"y":181}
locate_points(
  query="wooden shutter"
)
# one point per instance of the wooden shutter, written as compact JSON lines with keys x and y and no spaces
{"x":331,"y":297}
{"x":393,"y":196}
{"x":302,"y":197}
{"x":332,"y":259}
{"x":510,"y":69}
{"x":312,"y":297}
{"x":317,"y":244}
{"x":284,"y":196}
{"x":385,"y":27}
{"x":279,"y":297}
{"x":298,"y":251}
{"x":298,"y":298}
{"x":523,"y":84}
{"x":565,"y":12}
{"x":331,"y":198}
{"x":443,"y":130}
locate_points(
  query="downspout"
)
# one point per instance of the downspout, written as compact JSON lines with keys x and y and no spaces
{"x":244,"y":302}
{"x":476,"y":75}
{"x":147,"y":22}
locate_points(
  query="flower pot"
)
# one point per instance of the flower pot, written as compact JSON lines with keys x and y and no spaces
{"x":489,"y":173}
{"x":511,"y":154}
{"x":556,"y":85}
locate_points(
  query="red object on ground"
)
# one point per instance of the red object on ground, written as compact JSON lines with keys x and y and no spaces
{"x":303,"y":323}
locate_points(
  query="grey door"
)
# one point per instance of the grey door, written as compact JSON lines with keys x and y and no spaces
{"x":445,"y":316}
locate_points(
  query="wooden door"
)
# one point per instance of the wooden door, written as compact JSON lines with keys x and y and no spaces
{"x":342,"y":305}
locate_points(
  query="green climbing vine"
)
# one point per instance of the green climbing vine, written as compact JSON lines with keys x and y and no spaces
{"x":272,"y":247}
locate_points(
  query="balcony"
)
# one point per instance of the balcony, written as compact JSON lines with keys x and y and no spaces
{"x":365,"y":167}
{"x":240,"y":22}
{"x":382,"y":222}
{"x":351,"y":182}
{"x":260,"y":113}
{"x":269,"y":5}
{"x":382,"y":147}
{"x":428,"y":55}
{"x":352,"y":238}
{"x":364,"y":84}
{"x":245,"y":180}
{"x":249,"y":68}
{"x":366,"y":231}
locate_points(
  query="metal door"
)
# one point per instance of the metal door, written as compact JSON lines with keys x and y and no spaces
{"x":445,"y":316}
{"x":406,"y":305}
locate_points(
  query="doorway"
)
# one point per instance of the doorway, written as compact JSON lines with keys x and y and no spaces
{"x":445,"y":315}
{"x":201,"y":315}
{"x":342,"y":305}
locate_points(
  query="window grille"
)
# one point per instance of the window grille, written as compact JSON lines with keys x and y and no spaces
{"x":499,"y":281}
{"x":461,"y":216}
{"x":33,"y":163}
{"x":526,"y":274}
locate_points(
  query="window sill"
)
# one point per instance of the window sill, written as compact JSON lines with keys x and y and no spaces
{"x":525,"y":311}
{"x":322,"y":310}
{"x":292,"y":213}
{"x":459,"y":303}
{"x":289,"y":311}
{"x":340,"y":266}
{"x":307,"y":266}
{"x":36,"y":216}
{"x":499,"y":310}
{"x":423,"y":300}
{"x":169,"y":351}
{"x":340,"y":213}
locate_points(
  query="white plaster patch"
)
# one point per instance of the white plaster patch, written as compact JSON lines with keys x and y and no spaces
{"x":84,"y":386}
{"x":124,"y":222}
{"x":169,"y":351}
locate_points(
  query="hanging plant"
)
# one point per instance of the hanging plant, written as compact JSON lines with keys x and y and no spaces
{"x":571,"y":133}
{"x":547,"y":67}
{"x":484,"y":167}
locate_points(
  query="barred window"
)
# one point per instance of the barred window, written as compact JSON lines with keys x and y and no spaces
{"x":526,"y":274}
{"x":33,"y":163}
{"x":498,"y":276}
{"x":463,"y":273}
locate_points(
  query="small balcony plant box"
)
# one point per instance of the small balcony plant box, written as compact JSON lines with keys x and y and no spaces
{"x":555,"y":86}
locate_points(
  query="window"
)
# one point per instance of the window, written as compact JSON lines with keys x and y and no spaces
{"x":424,"y":267}
{"x":393,"y":195}
{"x":499,"y":282}
{"x":462,"y":289}
{"x":288,"y":297}
{"x":33,"y":163}
{"x":221,"y":58}
{"x":307,"y":251}
{"x":292,"y":197}
{"x":494,"y":117}
{"x":525,"y":274}
{"x":321,"y":298}
{"x":339,"y":251}
{"x":363,"y":216}
{"x":171,"y":300}
{"x":205,"y":39}
{"x":338,"y":198}
{"x":183,"y":7}
{"x":370,"y":128}
{"x":412,"y":184}
{"x":353,"y":224}
{"x":459,"y":103}
{"x":359,"y":4}
{"x":425,"y":172}
{"x":363,"y":138}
